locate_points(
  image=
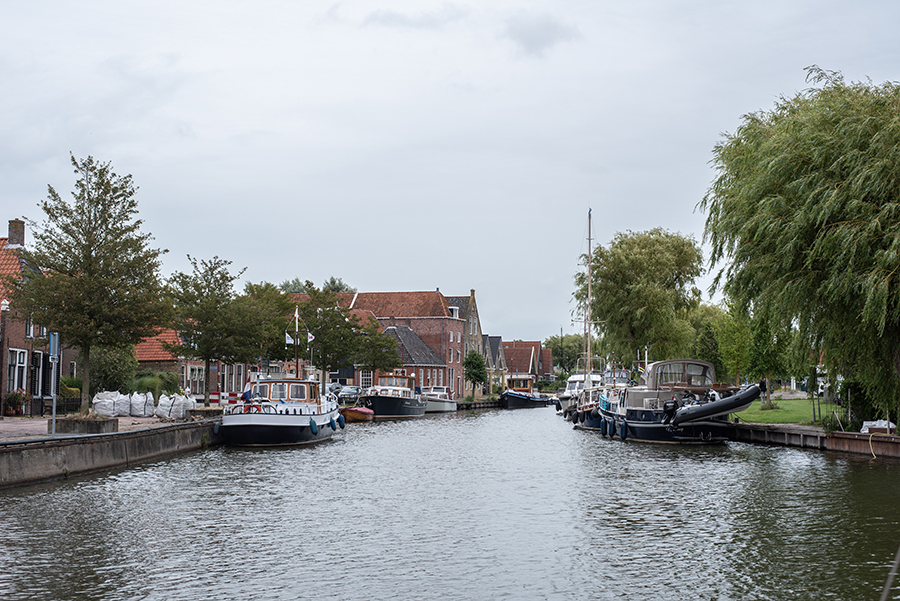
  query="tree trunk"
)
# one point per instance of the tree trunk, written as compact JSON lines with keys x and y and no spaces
{"x":86,"y":379}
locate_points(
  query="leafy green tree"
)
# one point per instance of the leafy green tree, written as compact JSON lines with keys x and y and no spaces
{"x":769,"y":344}
{"x":114,"y":368}
{"x":333,"y":328}
{"x":805,"y":216}
{"x":332,"y":284}
{"x":271,"y":312}
{"x":376,"y":350}
{"x":294,"y":286}
{"x":642,"y":292}
{"x":474,"y":368}
{"x":733,"y":334}
{"x":704,"y":320}
{"x":567,"y":350}
{"x":99,"y":283}
{"x":213,"y":326}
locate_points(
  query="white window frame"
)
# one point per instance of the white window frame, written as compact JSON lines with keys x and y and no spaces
{"x":16,"y":373}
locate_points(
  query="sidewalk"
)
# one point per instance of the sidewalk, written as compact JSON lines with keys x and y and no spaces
{"x":22,"y":428}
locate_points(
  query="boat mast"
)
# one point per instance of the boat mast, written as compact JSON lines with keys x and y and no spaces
{"x":587,"y":319}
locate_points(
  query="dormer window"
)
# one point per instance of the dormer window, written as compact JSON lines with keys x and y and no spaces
{"x":454,"y":312}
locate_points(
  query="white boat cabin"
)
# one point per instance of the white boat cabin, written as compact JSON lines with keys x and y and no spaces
{"x":285,"y":391}
{"x":393,"y":385}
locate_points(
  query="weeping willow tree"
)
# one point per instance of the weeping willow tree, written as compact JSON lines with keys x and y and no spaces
{"x":643,"y":292}
{"x":804,"y":215}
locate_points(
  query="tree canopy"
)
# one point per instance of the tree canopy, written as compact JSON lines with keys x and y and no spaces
{"x":805,"y":215}
{"x":474,"y":368}
{"x":333,"y":328}
{"x":99,"y":282}
{"x":211,"y":324}
{"x":642,"y":290}
{"x":332,"y":284}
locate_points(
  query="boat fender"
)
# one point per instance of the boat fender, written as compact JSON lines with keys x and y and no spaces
{"x":333,"y":425}
{"x":602,"y":427}
{"x":595,"y":413}
{"x":558,"y":406}
{"x":623,"y":430}
{"x":313,"y":427}
{"x":216,"y":427}
{"x":341,"y":421}
{"x":612,"y":428}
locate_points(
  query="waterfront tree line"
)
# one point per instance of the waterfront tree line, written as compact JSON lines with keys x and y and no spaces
{"x":803,"y":219}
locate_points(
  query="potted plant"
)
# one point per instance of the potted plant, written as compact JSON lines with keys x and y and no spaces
{"x":14,"y":401}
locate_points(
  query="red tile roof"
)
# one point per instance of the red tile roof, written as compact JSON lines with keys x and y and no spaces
{"x":393,"y":304}
{"x":519,"y":360}
{"x":403,"y":304}
{"x":9,"y":265}
{"x":152,"y":349}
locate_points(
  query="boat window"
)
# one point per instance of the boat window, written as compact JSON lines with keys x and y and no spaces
{"x":670,"y":373}
{"x":279,"y":391}
{"x":698,"y":375}
{"x":298,"y":392}
{"x":261,"y":391}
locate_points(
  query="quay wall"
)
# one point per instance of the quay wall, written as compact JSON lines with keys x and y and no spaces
{"x":32,"y":461}
{"x":877,"y":445}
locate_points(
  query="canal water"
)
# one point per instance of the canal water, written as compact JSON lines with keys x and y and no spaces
{"x":482,"y":505}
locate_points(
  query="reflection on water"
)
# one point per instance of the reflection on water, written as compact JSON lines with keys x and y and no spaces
{"x":488,"y":505}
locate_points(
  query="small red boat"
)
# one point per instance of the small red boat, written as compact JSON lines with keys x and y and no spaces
{"x":357,"y":414}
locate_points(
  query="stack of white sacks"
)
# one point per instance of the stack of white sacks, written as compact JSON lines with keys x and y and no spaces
{"x":138,"y":404}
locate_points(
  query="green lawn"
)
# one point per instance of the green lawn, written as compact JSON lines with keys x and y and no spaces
{"x":790,"y":411}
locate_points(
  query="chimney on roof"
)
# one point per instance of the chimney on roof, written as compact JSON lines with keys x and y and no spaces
{"x":16,"y":234}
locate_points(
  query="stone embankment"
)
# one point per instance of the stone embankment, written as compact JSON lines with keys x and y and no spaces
{"x":28,"y":454}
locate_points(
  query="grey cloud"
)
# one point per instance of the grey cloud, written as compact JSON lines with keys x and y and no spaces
{"x":534,"y":34}
{"x":426,"y":20}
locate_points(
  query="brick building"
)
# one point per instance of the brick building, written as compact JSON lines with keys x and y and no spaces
{"x":23,"y":343}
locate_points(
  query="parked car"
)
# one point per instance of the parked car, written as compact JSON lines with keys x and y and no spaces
{"x":349,"y":394}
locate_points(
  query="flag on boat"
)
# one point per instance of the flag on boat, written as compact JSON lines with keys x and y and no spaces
{"x":640,"y":368}
{"x":288,"y":339}
{"x":247,"y":389}
{"x":310,"y":337}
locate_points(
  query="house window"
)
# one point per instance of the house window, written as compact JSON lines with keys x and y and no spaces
{"x":421,"y":377}
{"x":239,"y":376}
{"x":441,"y":377}
{"x":42,"y":332}
{"x":29,"y":327}
{"x":16,"y":372}
{"x":196,"y":383}
{"x":72,"y":369}
{"x":365,"y":378}
{"x":458,"y":356}
{"x":182,"y":379}
{"x":450,"y":356}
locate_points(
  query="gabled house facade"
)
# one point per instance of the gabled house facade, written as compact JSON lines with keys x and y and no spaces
{"x":473,"y":339}
{"x":495,"y":362}
{"x":24,"y":344}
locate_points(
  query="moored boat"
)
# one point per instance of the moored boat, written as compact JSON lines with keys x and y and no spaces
{"x":574,"y":385}
{"x":357,"y":414}
{"x":438,"y":400}
{"x":279,"y":412}
{"x":393,"y":397}
{"x":514,"y":399}
{"x":677,"y":401}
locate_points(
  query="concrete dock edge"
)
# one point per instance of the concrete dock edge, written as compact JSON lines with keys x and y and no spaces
{"x":40,"y":460}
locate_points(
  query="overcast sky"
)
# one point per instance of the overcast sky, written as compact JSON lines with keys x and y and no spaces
{"x":409,"y":145}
